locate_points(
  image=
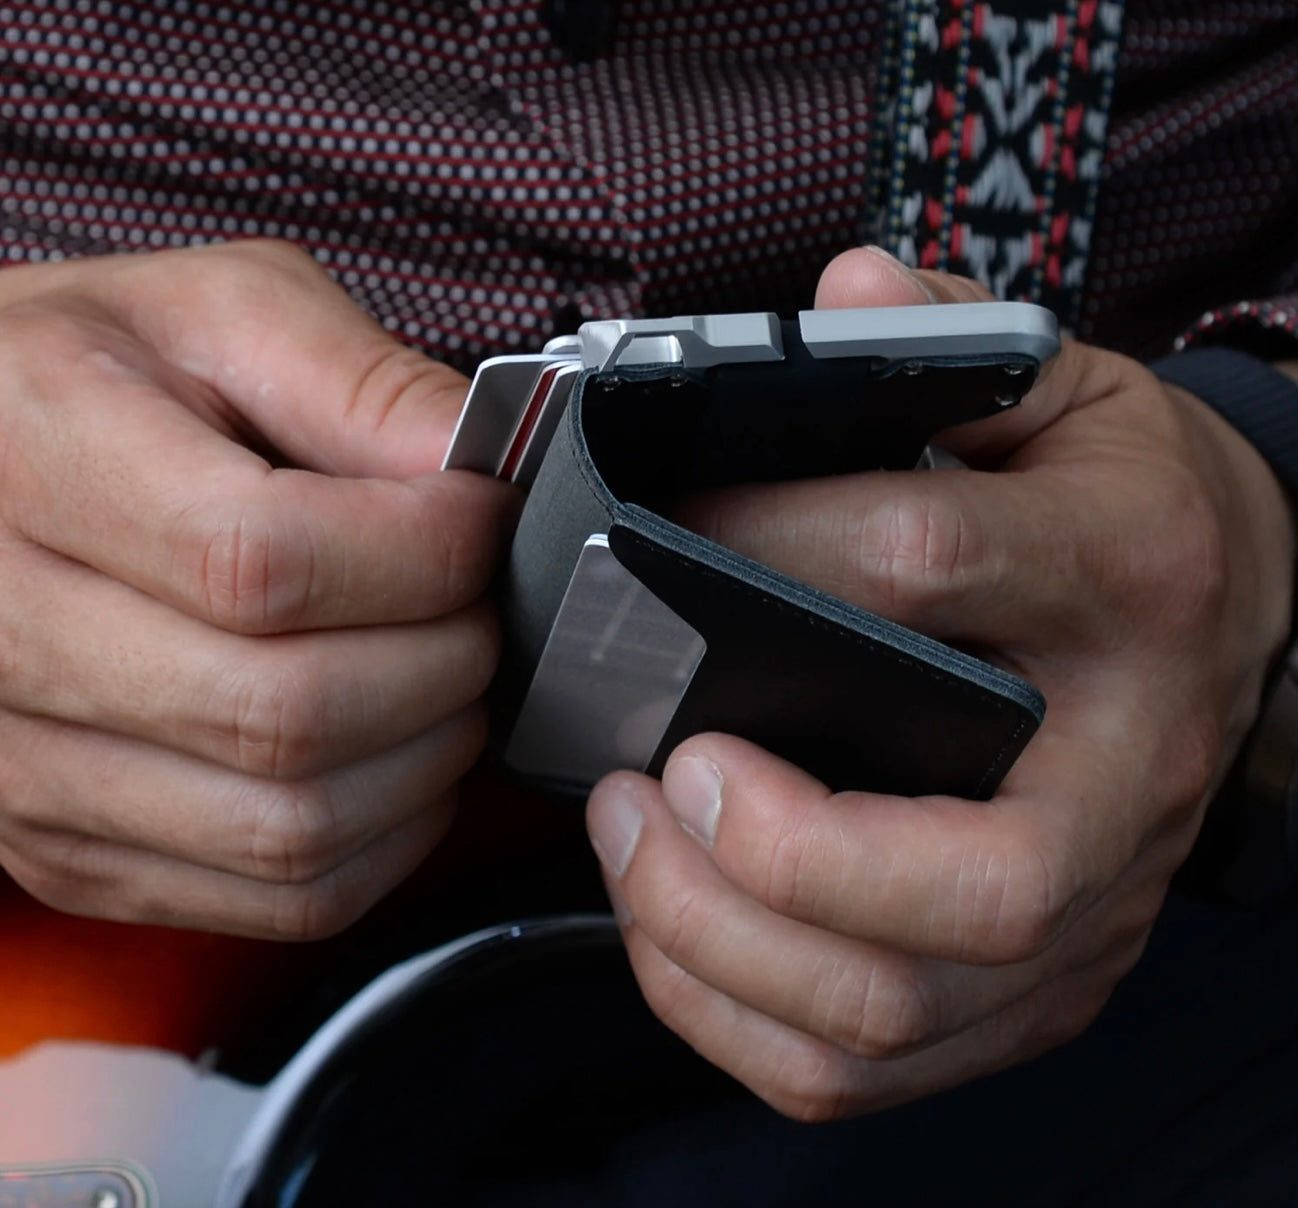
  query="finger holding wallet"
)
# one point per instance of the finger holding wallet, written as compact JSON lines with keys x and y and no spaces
{"x":240,"y":628}
{"x":1117,"y":544}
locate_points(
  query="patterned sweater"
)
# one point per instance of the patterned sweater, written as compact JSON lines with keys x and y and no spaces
{"x":483,"y":174}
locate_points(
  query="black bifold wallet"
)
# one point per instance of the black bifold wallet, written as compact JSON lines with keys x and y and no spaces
{"x":626,"y":634}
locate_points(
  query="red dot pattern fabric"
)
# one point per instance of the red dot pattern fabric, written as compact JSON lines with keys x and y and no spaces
{"x":463,"y":177}
{"x":478,"y":188}
{"x":1195,"y":231}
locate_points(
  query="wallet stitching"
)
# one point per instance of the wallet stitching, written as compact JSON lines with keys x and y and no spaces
{"x":944,"y":677}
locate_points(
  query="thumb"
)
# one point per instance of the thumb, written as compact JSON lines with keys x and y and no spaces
{"x":869,"y":276}
{"x":262,"y":324}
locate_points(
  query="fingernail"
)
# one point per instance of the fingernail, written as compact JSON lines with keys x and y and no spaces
{"x":899,"y":265}
{"x":883,"y":252}
{"x":615,"y":821}
{"x":692,"y":786}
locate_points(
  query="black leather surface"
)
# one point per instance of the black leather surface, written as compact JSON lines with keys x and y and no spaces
{"x":854,"y":699}
{"x":857,"y":701}
{"x":655,"y":432}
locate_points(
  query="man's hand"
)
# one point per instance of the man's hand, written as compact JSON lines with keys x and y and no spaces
{"x":233,"y":694}
{"x":1117,"y":544}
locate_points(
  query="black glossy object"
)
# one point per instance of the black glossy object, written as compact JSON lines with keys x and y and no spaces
{"x":522,"y":1057}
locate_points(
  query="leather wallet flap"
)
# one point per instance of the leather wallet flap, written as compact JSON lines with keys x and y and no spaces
{"x":852,"y":698}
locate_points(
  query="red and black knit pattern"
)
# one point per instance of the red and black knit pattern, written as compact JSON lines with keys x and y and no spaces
{"x":478,"y":188}
{"x":468,"y":182}
{"x":1196,"y":229}
{"x":716,"y":134}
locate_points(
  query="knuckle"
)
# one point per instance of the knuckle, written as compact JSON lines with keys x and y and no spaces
{"x":304,"y":913}
{"x":346,"y":884}
{"x":878,"y":1012}
{"x":915,"y":548}
{"x":279,"y":721}
{"x":292,"y":836}
{"x":246,"y":573}
{"x":1017,"y":905}
{"x":812,"y":1084}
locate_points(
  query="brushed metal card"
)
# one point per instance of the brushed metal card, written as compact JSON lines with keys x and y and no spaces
{"x":613,"y":672}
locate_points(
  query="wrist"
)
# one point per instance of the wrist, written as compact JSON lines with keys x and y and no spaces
{"x":1249,"y":848}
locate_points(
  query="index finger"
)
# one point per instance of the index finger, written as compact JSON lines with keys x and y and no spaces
{"x":288,"y":352}
{"x":104,"y":465}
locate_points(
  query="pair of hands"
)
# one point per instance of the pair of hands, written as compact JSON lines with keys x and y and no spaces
{"x":237,"y":695}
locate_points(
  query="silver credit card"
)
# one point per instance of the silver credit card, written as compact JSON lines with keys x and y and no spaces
{"x":614,"y":669}
{"x":512,"y":409}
